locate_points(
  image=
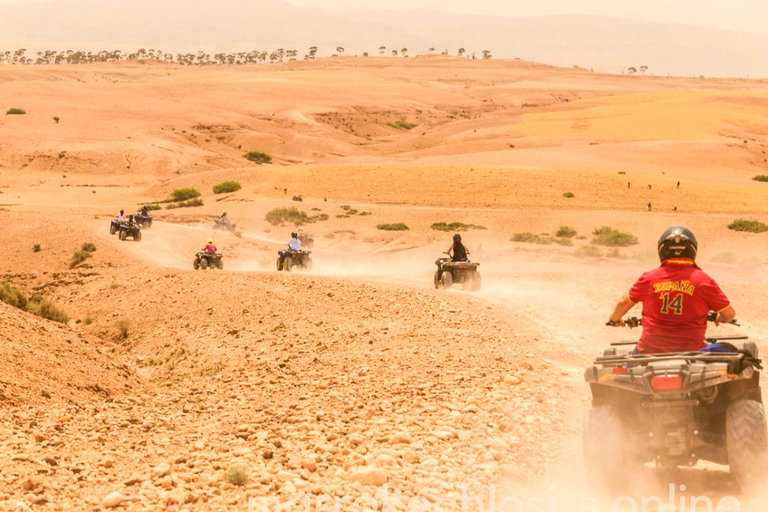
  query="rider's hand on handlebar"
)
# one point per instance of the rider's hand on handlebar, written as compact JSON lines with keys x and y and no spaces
{"x":614,"y":323}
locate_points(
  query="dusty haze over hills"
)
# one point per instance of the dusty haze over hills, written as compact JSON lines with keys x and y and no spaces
{"x":601,"y":43}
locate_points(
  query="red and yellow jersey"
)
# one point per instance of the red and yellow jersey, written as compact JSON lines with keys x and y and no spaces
{"x":676,"y":299}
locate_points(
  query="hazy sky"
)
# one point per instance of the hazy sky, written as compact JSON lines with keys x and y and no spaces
{"x":740,"y":15}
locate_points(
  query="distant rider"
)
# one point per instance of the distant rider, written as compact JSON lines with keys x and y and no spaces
{"x":131,"y":221}
{"x":460,"y":252}
{"x":224,"y":219}
{"x":121,"y":216}
{"x":210,"y":248}
{"x":676,"y":298}
{"x":293,"y":246}
{"x":144,"y":210}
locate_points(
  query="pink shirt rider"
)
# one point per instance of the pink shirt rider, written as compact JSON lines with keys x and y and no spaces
{"x":210,"y":248}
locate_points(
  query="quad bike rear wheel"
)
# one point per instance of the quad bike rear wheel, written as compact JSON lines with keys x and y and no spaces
{"x":747,"y":443}
{"x":220,"y":264}
{"x":277,"y":264}
{"x":196,"y":264}
{"x":123,"y":235}
{"x":447,"y":279}
{"x":476,"y":281}
{"x":603,"y":448}
{"x":308,"y":264}
{"x":112,"y":229}
{"x":137,"y":236}
{"x":437,"y":280}
{"x":149,"y":223}
{"x":288,"y":263}
{"x":204,"y":264}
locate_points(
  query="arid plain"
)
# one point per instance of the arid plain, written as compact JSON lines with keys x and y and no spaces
{"x":359,"y":374}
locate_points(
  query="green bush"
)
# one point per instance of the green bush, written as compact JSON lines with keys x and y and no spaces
{"x":78,"y":258}
{"x":588,"y":251}
{"x":56,"y":119}
{"x":88,"y":247}
{"x":610,"y":237}
{"x":530,"y":238}
{"x":153,"y":207}
{"x":568,"y":194}
{"x":183,"y":194}
{"x":402,"y":125}
{"x":258,"y":157}
{"x":45,"y":394}
{"x":123,"y":326}
{"x":565,"y":232}
{"x":236,"y":475}
{"x":12,"y":296}
{"x":185,"y":204}
{"x":292,"y":215}
{"x":563,"y":241}
{"x":48,"y":310}
{"x":36,"y":248}
{"x":393,"y":227}
{"x":226,"y":187}
{"x":761,"y":177}
{"x":750,"y":226}
{"x":455,"y":226}
{"x":15,"y":112}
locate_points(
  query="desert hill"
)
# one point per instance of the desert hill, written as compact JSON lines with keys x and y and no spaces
{"x":600,"y":43}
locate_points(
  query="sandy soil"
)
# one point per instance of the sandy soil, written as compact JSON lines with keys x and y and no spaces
{"x":360,"y":373}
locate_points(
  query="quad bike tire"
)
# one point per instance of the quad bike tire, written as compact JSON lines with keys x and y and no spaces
{"x":137,"y":237}
{"x":220,"y":265}
{"x":204,"y":264}
{"x":603,"y":447}
{"x":277,"y":264}
{"x":149,"y":223}
{"x":112,"y":229}
{"x":123,"y":235}
{"x":196,"y":264}
{"x":747,"y":443}
{"x":308,"y":265}
{"x":447,"y":280}
{"x":477,"y":281}
{"x":438,"y":284}
{"x":288,"y":264}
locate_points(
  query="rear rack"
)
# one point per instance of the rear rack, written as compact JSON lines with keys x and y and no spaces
{"x":708,"y":339}
{"x":653,"y":358}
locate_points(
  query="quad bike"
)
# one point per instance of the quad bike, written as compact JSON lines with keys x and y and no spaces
{"x":297,"y":198}
{"x":306,"y":241}
{"x":450,"y":272}
{"x":114,"y":226}
{"x":299,"y":260}
{"x":224,"y":226}
{"x":126,"y":230}
{"x":142,"y":220}
{"x":675,"y":409}
{"x":204,"y":260}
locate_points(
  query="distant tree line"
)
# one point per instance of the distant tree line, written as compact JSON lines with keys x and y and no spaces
{"x":201,"y":58}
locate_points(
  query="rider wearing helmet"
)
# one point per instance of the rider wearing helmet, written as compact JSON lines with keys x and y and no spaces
{"x":121,"y":216}
{"x":460,"y":253}
{"x":144,"y":210}
{"x":293,"y":246}
{"x":224,"y":217}
{"x":210,"y":248}
{"x":676,"y":298}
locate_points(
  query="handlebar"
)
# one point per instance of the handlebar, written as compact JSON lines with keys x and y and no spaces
{"x":633,"y":321}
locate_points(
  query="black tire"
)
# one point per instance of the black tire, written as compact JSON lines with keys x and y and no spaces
{"x":112,"y":229}
{"x":149,"y":223}
{"x":288,"y":263}
{"x":447,"y":280}
{"x":308,"y":264}
{"x":137,"y":236}
{"x":123,"y":235}
{"x":196,"y":264}
{"x":204,"y":264}
{"x":277,"y":264}
{"x":220,"y":264}
{"x":747,"y":443}
{"x":603,"y":447}
{"x":476,"y":281}
{"x":438,"y":284}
